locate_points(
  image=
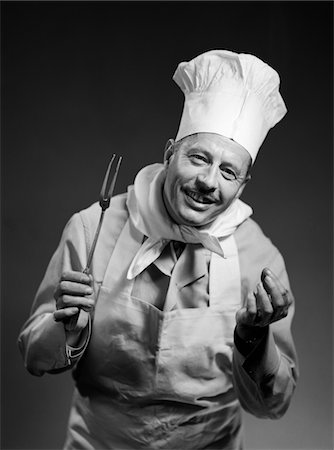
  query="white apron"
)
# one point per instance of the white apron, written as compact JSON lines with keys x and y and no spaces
{"x":152,"y":379}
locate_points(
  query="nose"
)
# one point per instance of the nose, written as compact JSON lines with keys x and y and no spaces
{"x":207,"y":180}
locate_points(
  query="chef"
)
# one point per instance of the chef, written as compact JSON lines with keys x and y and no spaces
{"x":185,"y":317}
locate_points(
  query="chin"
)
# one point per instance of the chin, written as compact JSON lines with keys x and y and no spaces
{"x":194,"y":219}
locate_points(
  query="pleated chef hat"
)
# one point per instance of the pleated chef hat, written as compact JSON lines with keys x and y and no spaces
{"x":235,"y":95}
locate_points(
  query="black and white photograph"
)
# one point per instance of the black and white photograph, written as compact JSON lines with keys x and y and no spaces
{"x":166,"y":225}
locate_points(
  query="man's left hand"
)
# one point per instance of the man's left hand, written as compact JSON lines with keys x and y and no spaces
{"x":269,"y":303}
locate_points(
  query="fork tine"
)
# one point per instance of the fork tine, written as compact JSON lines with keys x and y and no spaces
{"x":113,"y":182}
{"x":103,"y":193}
{"x":109,"y":183}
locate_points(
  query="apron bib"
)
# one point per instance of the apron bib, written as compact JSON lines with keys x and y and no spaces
{"x":157,"y":380}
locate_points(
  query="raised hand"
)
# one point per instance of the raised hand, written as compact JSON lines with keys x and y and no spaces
{"x":269,"y":303}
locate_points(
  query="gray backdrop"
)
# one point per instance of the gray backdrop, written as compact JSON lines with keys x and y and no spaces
{"x":81,"y":80}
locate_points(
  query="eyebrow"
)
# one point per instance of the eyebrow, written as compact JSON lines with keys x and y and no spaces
{"x":200,"y":149}
{"x":205,"y":152}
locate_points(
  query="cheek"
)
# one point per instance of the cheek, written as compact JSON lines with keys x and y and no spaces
{"x":170,"y":187}
{"x":228,"y":191}
{"x":174,"y":180}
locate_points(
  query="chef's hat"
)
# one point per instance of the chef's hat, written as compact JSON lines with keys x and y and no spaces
{"x":235,"y":95}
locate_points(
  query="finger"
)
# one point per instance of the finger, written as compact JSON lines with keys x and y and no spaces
{"x":67,"y":301}
{"x":281,"y":287}
{"x":288,"y":300}
{"x":246,"y":315}
{"x":251,"y":308}
{"x":263,"y":305}
{"x":79,"y":277}
{"x":72,"y":288}
{"x":274,"y":291}
{"x":76,"y":323}
{"x":281,"y":301}
{"x":62,"y":314}
{"x":82,"y":320}
{"x":240,"y":316}
{"x":282,"y":311}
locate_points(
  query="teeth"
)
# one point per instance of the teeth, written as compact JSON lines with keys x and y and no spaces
{"x":196,"y":197}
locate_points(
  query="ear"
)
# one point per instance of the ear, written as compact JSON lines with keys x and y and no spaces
{"x":169,"y":150}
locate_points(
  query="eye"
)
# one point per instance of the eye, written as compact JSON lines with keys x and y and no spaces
{"x":198,"y":158}
{"x":228,"y":173}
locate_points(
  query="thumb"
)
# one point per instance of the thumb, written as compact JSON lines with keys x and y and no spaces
{"x":240,"y":315}
{"x":82,"y":320}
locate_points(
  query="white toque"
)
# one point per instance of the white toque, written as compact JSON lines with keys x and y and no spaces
{"x":234,"y":95}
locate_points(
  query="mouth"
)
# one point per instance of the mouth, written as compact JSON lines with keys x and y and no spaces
{"x":199,"y":198}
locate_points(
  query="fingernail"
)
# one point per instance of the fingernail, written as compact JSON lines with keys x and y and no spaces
{"x":89,"y":291}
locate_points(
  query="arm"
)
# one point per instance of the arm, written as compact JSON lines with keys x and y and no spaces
{"x":43,"y":341}
{"x":264,"y":361}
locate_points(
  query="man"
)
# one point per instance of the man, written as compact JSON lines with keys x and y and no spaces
{"x":186,"y":315}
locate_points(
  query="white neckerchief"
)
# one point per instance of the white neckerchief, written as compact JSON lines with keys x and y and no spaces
{"x":149,"y":216}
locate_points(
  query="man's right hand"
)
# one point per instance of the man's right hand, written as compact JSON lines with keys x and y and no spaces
{"x":74,"y":294}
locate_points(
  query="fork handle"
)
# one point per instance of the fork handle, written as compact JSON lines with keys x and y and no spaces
{"x":72,"y":322}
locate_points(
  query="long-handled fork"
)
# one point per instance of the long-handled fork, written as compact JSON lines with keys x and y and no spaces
{"x":104,"y":200}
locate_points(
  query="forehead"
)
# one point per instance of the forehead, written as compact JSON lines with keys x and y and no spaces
{"x":219,"y":147}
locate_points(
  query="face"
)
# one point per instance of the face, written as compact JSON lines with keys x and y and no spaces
{"x":205,"y":173}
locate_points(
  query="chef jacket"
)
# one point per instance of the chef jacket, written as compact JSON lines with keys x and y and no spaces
{"x":148,"y":376}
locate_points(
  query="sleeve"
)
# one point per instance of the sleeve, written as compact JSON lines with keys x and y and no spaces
{"x":265,"y":375}
{"x":42,"y":341}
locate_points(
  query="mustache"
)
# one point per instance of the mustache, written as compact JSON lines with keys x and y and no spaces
{"x":197,"y":192}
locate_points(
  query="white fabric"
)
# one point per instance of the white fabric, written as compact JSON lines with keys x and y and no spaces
{"x":224,"y":276}
{"x":149,"y":215}
{"x":234,"y":95}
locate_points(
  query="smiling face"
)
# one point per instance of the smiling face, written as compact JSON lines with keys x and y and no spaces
{"x":205,"y":173}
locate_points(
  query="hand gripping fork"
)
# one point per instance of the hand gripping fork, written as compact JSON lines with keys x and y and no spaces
{"x":104,"y":200}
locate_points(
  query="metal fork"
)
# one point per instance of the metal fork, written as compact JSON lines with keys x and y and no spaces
{"x":104,"y":200}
